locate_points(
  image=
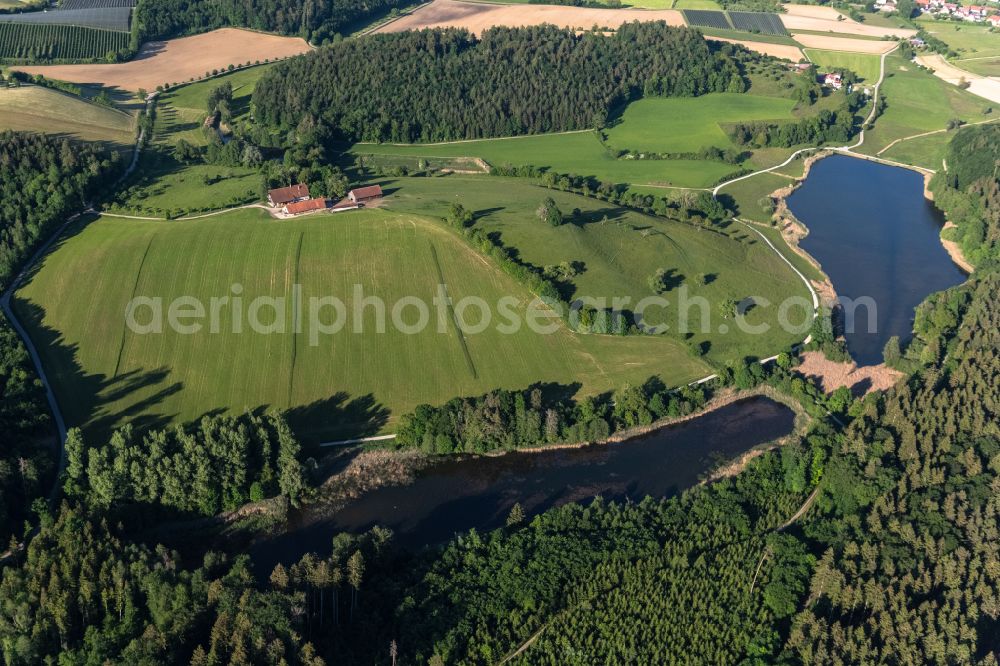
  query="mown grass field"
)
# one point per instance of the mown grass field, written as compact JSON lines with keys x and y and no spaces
{"x":348,"y":384}
{"x":38,"y":109}
{"x":620,"y":250}
{"x":688,"y":124}
{"x":865,"y":65}
{"x":917,"y":102}
{"x":581,"y":153}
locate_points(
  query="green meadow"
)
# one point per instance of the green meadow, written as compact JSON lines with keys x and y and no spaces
{"x":865,"y":65}
{"x":688,"y":124}
{"x":917,"y":102}
{"x":619,"y":250}
{"x":346,"y":384}
{"x":580,"y":153}
{"x":349,"y":384}
{"x":165,"y":186}
{"x":968,"y":40}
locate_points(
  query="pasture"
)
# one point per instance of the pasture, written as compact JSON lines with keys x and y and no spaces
{"x":581,"y":153}
{"x":179,"y":60}
{"x":917,"y":102}
{"x":619,"y":250}
{"x":38,"y":109}
{"x":181,"y":111}
{"x":988,"y":66}
{"x":345,"y":384}
{"x":864,"y":65}
{"x":688,"y":124}
{"x":163,"y":185}
{"x":968,"y":40}
{"x":925,"y":151}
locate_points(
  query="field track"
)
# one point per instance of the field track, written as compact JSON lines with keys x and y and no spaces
{"x":178,"y":60}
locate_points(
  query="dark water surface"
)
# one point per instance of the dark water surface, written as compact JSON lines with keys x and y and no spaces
{"x":875,"y":235}
{"x":455,"y":495}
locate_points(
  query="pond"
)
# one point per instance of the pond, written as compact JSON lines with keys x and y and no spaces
{"x":876,"y":236}
{"x":457,"y":494}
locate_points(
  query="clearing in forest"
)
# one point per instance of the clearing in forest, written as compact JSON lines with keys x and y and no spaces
{"x":689,"y":124}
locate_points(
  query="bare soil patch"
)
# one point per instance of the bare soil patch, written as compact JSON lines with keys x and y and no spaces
{"x":786,"y":51}
{"x":860,"y":381}
{"x":846,"y":27}
{"x":843,"y":44}
{"x":178,"y":60}
{"x":477,"y":17}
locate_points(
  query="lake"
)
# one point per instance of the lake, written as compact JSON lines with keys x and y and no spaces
{"x":875,"y":236}
{"x":457,"y":494}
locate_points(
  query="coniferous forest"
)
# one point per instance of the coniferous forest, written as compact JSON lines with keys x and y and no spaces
{"x":42,"y":181}
{"x":442,"y":85}
{"x":870,"y":536}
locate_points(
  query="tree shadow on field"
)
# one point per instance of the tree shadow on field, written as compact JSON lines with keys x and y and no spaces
{"x":96,"y":402}
{"x":338,"y":417}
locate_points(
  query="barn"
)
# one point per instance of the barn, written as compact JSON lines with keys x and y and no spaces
{"x":287,"y":195}
{"x":362,"y":195}
{"x":306,"y":206}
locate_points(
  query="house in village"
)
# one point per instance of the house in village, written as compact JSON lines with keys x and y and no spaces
{"x":286,"y":195}
{"x":304,"y":206}
{"x":362,"y":195}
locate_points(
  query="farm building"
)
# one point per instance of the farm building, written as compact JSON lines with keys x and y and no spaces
{"x":305,"y":206}
{"x":361,"y":195}
{"x":287,"y":195}
{"x":833,"y":80}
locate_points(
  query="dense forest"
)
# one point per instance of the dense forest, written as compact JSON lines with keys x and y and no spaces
{"x":969,"y":192}
{"x":440,"y":85}
{"x":220,"y":463}
{"x":42,"y":181}
{"x":27,"y":445}
{"x":318,"y":21}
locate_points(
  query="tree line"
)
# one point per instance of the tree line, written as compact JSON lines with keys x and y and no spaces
{"x":319,"y":21}
{"x":220,"y":463}
{"x":42,"y":181}
{"x":441,"y":85}
{"x":969,"y":192}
